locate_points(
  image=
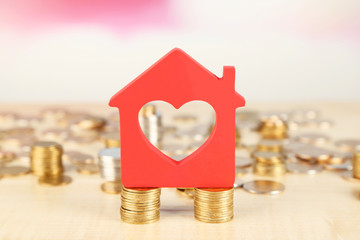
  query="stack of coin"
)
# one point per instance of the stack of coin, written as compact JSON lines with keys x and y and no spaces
{"x":269,"y":145}
{"x":109,"y":166}
{"x":150,"y":123}
{"x":214,"y":205}
{"x":46,"y":162}
{"x":273,"y":128}
{"x":269,"y":164}
{"x":140,"y":205}
{"x":356,"y":165}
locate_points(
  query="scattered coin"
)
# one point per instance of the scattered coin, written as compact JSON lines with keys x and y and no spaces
{"x":111,"y":187}
{"x":312,"y":138}
{"x":264,"y":187}
{"x":77,"y":158}
{"x":345,"y":166}
{"x":55,"y":180}
{"x":14,"y":171}
{"x":349,"y":145}
{"x":6,"y":157}
{"x":296,"y":167}
{"x":339,"y":157}
{"x":314,"y":155}
{"x":87,"y":169}
{"x":349,"y":176}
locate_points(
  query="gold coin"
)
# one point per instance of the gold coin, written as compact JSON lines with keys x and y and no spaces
{"x":240,"y":172}
{"x":313,"y":154}
{"x":264,"y":187}
{"x":339,"y":158}
{"x":296,"y":167}
{"x":14,"y":171}
{"x":87,"y":169}
{"x":54,"y":180}
{"x":111,"y":187}
{"x":312,"y":138}
{"x":6,"y":156}
{"x":269,"y":145}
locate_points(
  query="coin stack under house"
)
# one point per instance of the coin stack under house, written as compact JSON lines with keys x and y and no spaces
{"x":214,"y":205}
{"x":150,"y":122}
{"x":109,"y":167}
{"x":270,"y":164}
{"x":140,"y":205}
{"x":46,"y":163}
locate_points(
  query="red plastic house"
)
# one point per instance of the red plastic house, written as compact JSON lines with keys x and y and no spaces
{"x":177,"y":79}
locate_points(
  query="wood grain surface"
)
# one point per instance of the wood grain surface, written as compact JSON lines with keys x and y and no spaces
{"x":321,"y":206}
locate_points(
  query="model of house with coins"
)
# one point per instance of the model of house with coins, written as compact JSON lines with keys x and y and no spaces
{"x":177,"y":79}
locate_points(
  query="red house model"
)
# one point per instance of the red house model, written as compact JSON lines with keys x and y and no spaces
{"x":177,"y":79}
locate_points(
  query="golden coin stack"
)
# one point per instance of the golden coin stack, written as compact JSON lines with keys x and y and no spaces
{"x":356,"y":165}
{"x":269,"y":164}
{"x":46,"y":162}
{"x":140,"y":205}
{"x":273,"y":128}
{"x":270,"y":145}
{"x":214,"y":205}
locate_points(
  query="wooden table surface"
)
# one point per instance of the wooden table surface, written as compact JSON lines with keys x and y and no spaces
{"x":321,"y":206}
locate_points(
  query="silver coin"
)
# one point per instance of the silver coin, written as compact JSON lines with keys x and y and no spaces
{"x":345,"y":166}
{"x":314,"y":154}
{"x":296,"y":167}
{"x":312,"y":138}
{"x":264,"y":187}
{"x":109,"y":164}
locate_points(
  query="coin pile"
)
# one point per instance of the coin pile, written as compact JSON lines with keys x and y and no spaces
{"x":214,"y":205}
{"x":150,"y":123}
{"x":140,"y":205}
{"x":273,"y":128}
{"x":46,"y":162}
{"x":109,"y":167}
{"x":269,"y":164}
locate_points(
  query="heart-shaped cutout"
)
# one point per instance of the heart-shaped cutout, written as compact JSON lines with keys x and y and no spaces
{"x":177,"y":133}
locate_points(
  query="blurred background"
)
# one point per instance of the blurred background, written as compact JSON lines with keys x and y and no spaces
{"x":85,"y":51}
